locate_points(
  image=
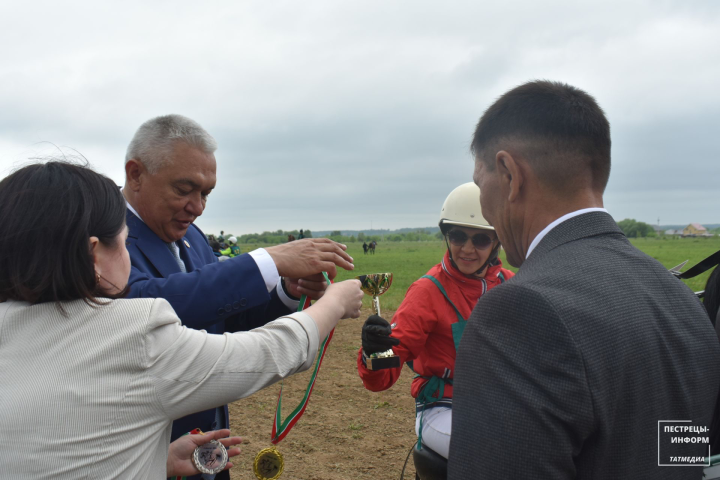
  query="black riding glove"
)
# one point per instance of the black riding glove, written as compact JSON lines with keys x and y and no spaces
{"x":376,"y":335}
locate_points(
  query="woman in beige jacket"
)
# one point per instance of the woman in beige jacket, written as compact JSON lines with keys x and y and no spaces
{"x":90,"y":382}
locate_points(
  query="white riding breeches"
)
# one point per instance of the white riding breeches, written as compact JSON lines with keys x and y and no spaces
{"x":437,"y":423}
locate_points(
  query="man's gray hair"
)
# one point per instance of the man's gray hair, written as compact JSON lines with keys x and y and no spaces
{"x":154,"y":141}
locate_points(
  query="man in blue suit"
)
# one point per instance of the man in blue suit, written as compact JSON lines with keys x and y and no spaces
{"x":170,"y":170}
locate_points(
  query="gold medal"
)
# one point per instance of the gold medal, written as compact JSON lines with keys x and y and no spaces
{"x":268,"y":464}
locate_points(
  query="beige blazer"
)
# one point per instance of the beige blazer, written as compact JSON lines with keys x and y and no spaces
{"x":91,"y":394}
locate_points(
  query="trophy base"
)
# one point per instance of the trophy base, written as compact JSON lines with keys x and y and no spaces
{"x":380,"y":363}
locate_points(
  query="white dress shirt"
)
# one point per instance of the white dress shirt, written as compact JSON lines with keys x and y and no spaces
{"x":557,"y":222}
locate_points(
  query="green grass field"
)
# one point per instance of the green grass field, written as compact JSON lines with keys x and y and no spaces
{"x":671,"y":251}
{"x":408,"y":261}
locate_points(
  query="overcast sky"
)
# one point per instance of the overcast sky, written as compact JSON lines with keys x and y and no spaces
{"x":347,"y":115}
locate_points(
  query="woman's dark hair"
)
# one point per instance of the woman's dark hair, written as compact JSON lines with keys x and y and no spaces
{"x":48,"y":213}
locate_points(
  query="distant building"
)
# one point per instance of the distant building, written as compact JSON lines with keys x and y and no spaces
{"x":673,"y":232}
{"x":658,"y":229}
{"x":694,"y":230}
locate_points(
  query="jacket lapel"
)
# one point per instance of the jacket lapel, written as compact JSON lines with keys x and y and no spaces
{"x":185,"y":254}
{"x":154,"y":249}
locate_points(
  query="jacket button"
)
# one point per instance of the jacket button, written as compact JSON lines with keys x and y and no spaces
{"x":243,"y":302}
{"x":221,"y":311}
{"x":228,"y":308}
{"x":236,"y":305}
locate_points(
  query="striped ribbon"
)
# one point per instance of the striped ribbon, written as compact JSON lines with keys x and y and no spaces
{"x":281,"y":428}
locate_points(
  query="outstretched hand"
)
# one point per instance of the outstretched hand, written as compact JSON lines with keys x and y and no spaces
{"x":310,"y":256}
{"x":179,"y":461}
{"x":313,"y":286}
{"x":341,"y":300}
{"x":376,"y":335}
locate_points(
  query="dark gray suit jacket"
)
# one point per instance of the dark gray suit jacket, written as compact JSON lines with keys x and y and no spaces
{"x":564,"y":370}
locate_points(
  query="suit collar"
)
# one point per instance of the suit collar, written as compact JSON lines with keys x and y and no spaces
{"x":153,"y":248}
{"x":557,"y":222}
{"x":581,"y":226}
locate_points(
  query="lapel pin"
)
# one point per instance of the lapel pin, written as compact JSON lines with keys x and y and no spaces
{"x":186,"y":243}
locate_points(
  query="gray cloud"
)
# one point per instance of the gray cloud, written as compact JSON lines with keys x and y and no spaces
{"x":335,"y":115}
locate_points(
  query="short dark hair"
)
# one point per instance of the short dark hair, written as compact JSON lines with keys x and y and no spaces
{"x":560,"y":130}
{"x":48,"y":213}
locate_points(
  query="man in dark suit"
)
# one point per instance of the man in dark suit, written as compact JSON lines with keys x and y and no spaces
{"x":170,"y":170}
{"x":565,"y":370}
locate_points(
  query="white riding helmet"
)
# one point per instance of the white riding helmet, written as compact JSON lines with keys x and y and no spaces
{"x":232,"y":240}
{"x":462,"y":207}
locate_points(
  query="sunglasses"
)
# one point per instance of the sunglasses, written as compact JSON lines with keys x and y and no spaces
{"x":479,"y":240}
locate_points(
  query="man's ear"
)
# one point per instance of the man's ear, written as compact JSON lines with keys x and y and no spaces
{"x":511,"y":174}
{"x":133,"y":174}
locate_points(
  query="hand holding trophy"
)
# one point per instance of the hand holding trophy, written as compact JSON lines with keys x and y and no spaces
{"x":376,"y":338}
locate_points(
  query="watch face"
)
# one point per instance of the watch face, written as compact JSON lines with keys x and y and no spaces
{"x":211,"y":457}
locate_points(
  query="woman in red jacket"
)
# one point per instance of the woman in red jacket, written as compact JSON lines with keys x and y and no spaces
{"x":428,"y":324}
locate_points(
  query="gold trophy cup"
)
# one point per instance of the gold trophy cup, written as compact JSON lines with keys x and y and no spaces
{"x":376,"y":284}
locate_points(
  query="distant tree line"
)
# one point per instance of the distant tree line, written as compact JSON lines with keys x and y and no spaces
{"x":634,"y":229}
{"x":416,"y":236}
{"x":630,"y":227}
{"x":278,"y":236}
{"x":281,"y":236}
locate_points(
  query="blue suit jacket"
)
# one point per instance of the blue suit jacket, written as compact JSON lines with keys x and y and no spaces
{"x":218,"y":297}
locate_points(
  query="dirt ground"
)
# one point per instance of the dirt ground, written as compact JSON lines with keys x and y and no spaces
{"x":347,"y":432}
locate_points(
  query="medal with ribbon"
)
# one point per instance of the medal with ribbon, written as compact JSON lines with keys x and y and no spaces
{"x":269,"y":462}
{"x":208,"y":458}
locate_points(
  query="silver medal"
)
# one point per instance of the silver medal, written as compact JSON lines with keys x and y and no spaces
{"x":211,"y":457}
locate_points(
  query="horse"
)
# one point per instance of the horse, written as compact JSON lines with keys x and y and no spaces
{"x":291,"y":238}
{"x":371,"y":247}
